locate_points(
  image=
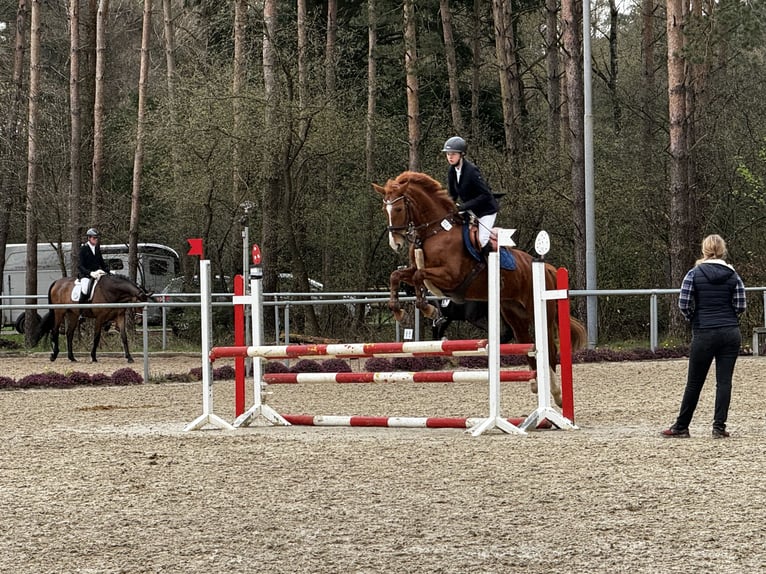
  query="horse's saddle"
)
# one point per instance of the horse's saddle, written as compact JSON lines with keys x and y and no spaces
{"x":471,"y":241}
{"x":80,"y":296}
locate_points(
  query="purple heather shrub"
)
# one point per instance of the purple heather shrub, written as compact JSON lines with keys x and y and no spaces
{"x":513,"y":360}
{"x":275,"y":367}
{"x":100,"y":379}
{"x":335,"y":366}
{"x":79,"y":378}
{"x":196,"y":372}
{"x":472,"y":362}
{"x":41,"y":380}
{"x":306,"y":366}
{"x":417,"y":364}
{"x":436,"y":363}
{"x":7,"y":383}
{"x":224,"y":373}
{"x":126,"y":376}
{"x":378,"y":365}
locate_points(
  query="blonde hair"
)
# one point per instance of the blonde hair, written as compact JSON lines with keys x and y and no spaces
{"x":713,"y":247}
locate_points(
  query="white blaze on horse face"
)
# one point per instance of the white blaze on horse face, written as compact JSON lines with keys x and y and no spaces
{"x":394,"y":241}
{"x":391,"y":242}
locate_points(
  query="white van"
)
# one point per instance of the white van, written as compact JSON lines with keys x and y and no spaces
{"x":157,"y":265}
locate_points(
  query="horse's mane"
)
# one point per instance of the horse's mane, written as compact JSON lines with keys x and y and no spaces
{"x":425,"y":183}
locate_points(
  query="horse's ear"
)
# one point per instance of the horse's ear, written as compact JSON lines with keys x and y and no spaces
{"x":379,"y":189}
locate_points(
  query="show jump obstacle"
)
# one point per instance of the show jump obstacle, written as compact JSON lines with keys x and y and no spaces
{"x":544,"y":416}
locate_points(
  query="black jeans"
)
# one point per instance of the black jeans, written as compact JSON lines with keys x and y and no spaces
{"x":707,"y":344}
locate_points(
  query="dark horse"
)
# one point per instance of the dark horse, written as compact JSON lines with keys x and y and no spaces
{"x":473,"y":312}
{"x":108,"y":289}
{"x":422,"y":217}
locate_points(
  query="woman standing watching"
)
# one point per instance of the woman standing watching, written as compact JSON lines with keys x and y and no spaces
{"x":712,"y":297}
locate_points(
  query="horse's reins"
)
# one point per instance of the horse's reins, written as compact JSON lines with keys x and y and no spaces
{"x":415,"y":234}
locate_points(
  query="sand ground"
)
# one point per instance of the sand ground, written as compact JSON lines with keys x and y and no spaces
{"x":105,"y":479}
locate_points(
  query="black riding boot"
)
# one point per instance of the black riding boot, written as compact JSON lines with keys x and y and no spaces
{"x":485,"y":251}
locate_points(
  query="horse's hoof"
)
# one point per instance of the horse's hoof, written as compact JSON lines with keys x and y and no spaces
{"x":53,"y":358}
{"x":399,"y":315}
{"x":533,"y":385}
{"x":130,"y":360}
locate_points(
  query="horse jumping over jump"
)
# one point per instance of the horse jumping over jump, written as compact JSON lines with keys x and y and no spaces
{"x":422,"y":217}
{"x":108,"y":289}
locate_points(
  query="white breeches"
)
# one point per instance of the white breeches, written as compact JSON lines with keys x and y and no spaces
{"x":486,"y":223}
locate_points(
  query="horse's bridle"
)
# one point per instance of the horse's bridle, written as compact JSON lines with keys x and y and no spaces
{"x":417,"y":234}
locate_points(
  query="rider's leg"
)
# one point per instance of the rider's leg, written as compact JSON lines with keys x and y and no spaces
{"x":486,"y":223}
{"x":85,"y":289}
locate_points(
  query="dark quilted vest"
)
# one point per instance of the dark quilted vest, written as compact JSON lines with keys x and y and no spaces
{"x":714,"y":287}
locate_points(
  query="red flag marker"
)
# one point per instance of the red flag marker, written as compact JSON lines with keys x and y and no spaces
{"x":195,"y":246}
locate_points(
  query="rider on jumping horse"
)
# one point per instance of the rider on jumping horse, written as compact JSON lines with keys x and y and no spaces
{"x":91,"y":264}
{"x":468,"y":189}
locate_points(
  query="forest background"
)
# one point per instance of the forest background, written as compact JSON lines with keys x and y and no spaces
{"x":161,"y":121}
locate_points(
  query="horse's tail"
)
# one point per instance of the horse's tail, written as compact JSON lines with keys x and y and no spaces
{"x":578,"y":333}
{"x":44,"y":327}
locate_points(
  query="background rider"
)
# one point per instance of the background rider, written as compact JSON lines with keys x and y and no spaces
{"x":91,"y":264}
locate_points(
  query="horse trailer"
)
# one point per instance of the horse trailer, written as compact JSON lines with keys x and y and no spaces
{"x":157,"y":265}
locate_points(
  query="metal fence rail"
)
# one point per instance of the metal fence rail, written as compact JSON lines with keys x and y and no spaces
{"x":283,"y":302}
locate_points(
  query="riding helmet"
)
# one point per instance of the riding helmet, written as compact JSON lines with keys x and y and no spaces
{"x":91,"y":232}
{"x":455,"y":144}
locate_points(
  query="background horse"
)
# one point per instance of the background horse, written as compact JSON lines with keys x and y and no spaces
{"x":474,"y":312}
{"x":422,"y":217}
{"x":108,"y":289}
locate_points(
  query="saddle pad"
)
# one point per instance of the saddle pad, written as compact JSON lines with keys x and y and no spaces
{"x":507,"y":260}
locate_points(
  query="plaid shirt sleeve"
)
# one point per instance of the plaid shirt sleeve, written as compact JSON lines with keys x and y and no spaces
{"x":686,"y":298}
{"x":740,"y":300}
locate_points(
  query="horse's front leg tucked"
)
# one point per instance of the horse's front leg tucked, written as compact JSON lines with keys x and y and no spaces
{"x":421,"y":302}
{"x":403,"y":275}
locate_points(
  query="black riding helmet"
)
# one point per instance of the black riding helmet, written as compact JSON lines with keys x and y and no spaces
{"x":455,"y":144}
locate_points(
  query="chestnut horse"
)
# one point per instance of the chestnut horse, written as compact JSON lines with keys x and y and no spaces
{"x":422,"y":216}
{"x":108,"y":289}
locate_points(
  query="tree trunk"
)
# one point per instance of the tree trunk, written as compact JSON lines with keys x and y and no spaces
{"x":271,"y":197}
{"x":10,"y":193}
{"x":571,"y":19}
{"x":170,"y":75}
{"x":75,"y":139}
{"x":303,"y":86}
{"x":372,"y":89}
{"x":648,"y":84}
{"x":99,"y":113}
{"x":452,"y":71}
{"x":554,"y":83}
{"x":696,"y":80}
{"x":614,"y":66}
{"x":30,"y":320}
{"x":476,"y":33}
{"x":332,"y":35}
{"x":238,"y":82}
{"x":679,"y":249}
{"x":501,"y":12}
{"x":413,"y":95}
{"x":138,"y":158}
